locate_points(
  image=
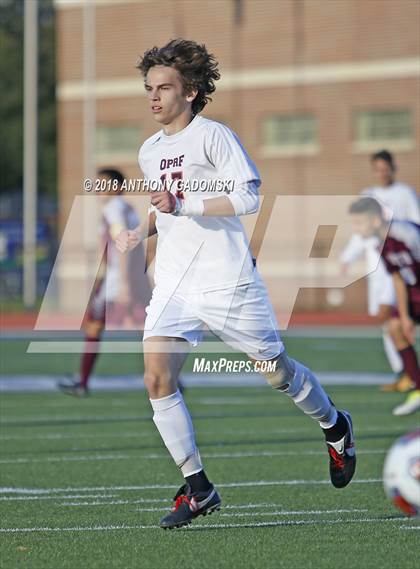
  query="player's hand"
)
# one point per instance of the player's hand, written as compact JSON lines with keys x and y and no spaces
{"x":409,"y":330}
{"x":164,"y":201}
{"x":126,"y":240}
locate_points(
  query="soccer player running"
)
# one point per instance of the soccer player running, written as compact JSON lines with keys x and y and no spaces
{"x":402,"y":202}
{"x":116,"y":294}
{"x":204,"y":273}
{"x":401,"y":255}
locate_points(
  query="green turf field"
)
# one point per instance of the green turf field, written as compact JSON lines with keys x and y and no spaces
{"x":321,"y":354}
{"x":89,"y":480}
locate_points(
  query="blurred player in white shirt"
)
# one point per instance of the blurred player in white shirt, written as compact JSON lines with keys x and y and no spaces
{"x":205,"y":273}
{"x":118,"y":296}
{"x":400,"y":202}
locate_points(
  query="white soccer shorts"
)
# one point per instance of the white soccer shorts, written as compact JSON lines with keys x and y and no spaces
{"x":380,"y":290}
{"x":242,"y":317}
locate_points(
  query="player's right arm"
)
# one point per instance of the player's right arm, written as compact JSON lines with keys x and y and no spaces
{"x":412,"y":206}
{"x":356,"y":245}
{"x":353,"y":250}
{"x":229,"y":158}
{"x":408,"y":326}
{"x":128,"y":239}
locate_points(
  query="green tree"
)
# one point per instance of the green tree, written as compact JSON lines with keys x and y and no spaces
{"x":11,"y":101}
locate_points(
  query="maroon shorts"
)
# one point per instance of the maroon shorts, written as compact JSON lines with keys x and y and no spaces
{"x":415,"y":312}
{"x":111,"y":313}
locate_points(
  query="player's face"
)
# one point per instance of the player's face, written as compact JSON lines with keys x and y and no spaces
{"x":383,"y":172}
{"x":365,"y":225}
{"x":167,"y":99}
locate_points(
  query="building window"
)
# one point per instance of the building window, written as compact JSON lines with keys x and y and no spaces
{"x":383,"y":127}
{"x":115,"y":141}
{"x":296,"y":134}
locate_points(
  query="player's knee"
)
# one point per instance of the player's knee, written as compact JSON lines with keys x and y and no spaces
{"x":93,"y":328}
{"x":157,"y":381}
{"x":284,"y":374}
{"x":396,"y":332}
{"x":384,"y":313}
{"x":394,"y":328}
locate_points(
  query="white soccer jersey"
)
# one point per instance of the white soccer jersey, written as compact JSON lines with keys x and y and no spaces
{"x":402,"y":202}
{"x":200,"y":253}
{"x":117,"y":215}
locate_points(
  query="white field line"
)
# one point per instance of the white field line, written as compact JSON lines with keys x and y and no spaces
{"x":231,"y":507}
{"x":157,"y":456}
{"x":68,"y":497}
{"x":213,"y":400}
{"x":7,"y":423}
{"x":117,"y":503}
{"x":292,"y":513}
{"x":410,"y":527}
{"x":16,"y":419}
{"x":139,"y":488}
{"x":237,"y":401}
{"x":65,"y":436}
{"x":65,"y":459}
{"x":133,"y":434}
{"x":269,"y":400}
{"x":204,"y":526}
{"x":68,"y":404}
{"x":165,"y":501}
{"x":227,"y":507}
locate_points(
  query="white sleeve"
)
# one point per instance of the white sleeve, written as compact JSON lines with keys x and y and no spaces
{"x":141,"y":166}
{"x":353,"y":250}
{"x":232,"y":162}
{"x":412,"y":206}
{"x":114,"y":216}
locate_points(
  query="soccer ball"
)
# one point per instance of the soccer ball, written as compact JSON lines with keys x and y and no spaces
{"x":402,"y":473}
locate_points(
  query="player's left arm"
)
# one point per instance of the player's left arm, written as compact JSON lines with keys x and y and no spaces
{"x":231,"y":161}
{"x":117,"y":224}
{"x":245,"y":201}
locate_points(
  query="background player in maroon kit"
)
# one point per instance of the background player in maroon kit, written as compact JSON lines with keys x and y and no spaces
{"x":118,"y":297}
{"x":401,"y":254}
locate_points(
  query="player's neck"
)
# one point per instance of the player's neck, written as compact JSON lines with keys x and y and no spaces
{"x":178,"y":124}
{"x":389,"y":184}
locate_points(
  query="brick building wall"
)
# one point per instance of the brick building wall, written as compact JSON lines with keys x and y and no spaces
{"x":326,"y":58}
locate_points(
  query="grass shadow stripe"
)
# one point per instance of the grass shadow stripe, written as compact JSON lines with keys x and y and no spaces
{"x":165,"y":456}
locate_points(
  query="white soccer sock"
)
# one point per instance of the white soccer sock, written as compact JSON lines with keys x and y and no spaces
{"x":391,"y":352}
{"x":174,"y":424}
{"x":308,"y":394}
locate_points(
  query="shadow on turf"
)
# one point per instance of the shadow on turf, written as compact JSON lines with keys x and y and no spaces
{"x":148,"y":418}
{"x":140,"y":418}
{"x":202,"y":444}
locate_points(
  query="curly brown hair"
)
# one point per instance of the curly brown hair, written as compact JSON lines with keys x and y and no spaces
{"x":197,"y":68}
